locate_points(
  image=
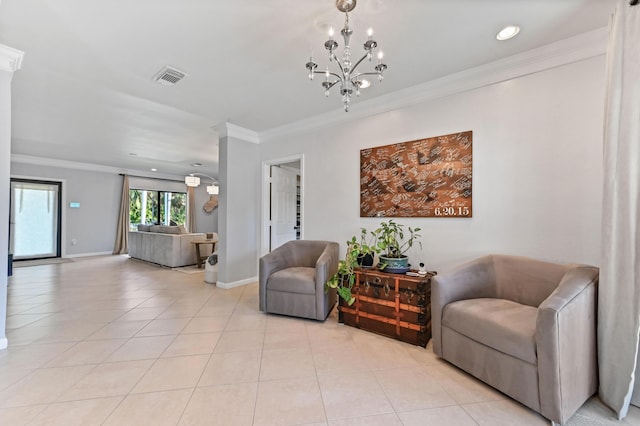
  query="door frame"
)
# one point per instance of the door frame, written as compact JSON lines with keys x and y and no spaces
{"x":63,"y":204}
{"x":266,"y":198}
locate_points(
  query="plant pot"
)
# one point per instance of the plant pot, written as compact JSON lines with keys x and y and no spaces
{"x":365,"y":260}
{"x":397,"y":265}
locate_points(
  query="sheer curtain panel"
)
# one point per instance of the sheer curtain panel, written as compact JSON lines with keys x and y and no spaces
{"x":121,"y":245}
{"x":619,"y":292}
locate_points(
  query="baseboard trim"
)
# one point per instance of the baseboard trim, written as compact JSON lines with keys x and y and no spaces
{"x":97,"y":253}
{"x":4,"y":343}
{"x":233,"y":284}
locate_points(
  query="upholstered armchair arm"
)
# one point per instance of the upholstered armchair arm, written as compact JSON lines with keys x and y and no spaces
{"x":278,"y":259}
{"x":566,"y":344}
{"x":469,"y":281}
{"x":326,"y":266}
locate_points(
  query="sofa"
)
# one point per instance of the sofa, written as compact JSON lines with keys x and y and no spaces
{"x":165,"y":245}
{"x":524,"y":326}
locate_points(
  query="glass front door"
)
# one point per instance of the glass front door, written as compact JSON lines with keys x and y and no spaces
{"x":34,"y":227}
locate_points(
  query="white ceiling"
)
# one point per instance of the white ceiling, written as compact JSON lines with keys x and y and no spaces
{"x":85,"y":91}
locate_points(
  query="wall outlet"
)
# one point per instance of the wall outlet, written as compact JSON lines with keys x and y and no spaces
{"x":74,"y":242}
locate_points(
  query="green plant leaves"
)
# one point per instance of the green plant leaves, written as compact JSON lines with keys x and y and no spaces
{"x":345,"y":293}
{"x":391,"y":238}
{"x":388,"y":238}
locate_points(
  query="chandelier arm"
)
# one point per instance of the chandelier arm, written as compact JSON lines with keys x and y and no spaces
{"x":364,"y":73}
{"x":359,"y":61}
{"x":333,"y":83}
{"x":203,"y":175}
{"x":338,"y":76}
{"x":335,"y":58}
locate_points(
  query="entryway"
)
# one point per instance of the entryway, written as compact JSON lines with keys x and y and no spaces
{"x":35,"y":219}
{"x":282,"y":184}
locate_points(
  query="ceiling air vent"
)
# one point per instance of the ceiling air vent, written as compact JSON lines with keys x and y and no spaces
{"x":169,"y":76}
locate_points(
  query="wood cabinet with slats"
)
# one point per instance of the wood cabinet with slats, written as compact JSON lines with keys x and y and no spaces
{"x":394,"y":305}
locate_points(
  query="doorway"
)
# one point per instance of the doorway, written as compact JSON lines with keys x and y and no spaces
{"x":35,"y":219}
{"x":282,"y":202}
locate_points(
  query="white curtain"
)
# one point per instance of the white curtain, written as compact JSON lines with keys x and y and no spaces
{"x":191,"y":209}
{"x":121,"y":245}
{"x":619,"y":292}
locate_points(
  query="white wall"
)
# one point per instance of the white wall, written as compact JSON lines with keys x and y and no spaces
{"x":5,"y":155}
{"x":238,"y":211}
{"x":205,"y":222}
{"x":537,"y":143}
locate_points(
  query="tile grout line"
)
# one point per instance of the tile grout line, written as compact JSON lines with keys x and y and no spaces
{"x":195,"y":387}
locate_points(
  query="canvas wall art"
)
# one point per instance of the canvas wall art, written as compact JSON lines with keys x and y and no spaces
{"x":429,"y":177}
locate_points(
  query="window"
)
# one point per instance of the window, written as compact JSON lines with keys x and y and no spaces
{"x":156,"y":207}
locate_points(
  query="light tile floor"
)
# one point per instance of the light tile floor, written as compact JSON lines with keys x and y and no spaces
{"x":114,"y":341}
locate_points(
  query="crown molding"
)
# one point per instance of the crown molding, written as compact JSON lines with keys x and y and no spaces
{"x":90,"y":167}
{"x":10,"y":58}
{"x":563,"y":52}
{"x":231,"y":130}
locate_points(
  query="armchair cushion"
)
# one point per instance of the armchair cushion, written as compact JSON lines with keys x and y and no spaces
{"x":298,"y":279}
{"x":503,"y":325}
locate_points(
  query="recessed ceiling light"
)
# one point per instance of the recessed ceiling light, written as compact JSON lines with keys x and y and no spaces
{"x":154,"y":170}
{"x":365,"y":84}
{"x":508,"y":32}
{"x":196,"y":164}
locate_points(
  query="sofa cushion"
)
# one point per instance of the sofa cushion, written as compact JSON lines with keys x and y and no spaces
{"x":503,"y":325}
{"x":144,"y":228}
{"x":298,"y":279}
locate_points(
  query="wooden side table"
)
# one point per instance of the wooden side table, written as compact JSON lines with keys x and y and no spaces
{"x":200,"y":259}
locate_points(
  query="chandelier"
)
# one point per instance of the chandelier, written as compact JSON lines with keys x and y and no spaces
{"x":348,"y":77}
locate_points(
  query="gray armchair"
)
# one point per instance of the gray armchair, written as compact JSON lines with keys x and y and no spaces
{"x":523,"y":326}
{"x":292,"y":279}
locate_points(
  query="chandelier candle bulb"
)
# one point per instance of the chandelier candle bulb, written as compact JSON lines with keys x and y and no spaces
{"x":311,"y":66}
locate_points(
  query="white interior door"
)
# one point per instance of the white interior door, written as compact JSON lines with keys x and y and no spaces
{"x":283,"y":206}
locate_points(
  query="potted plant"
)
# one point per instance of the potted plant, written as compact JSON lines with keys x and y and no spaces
{"x":360,"y":253}
{"x":393,"y":242}
{"x":345,"y":278}
{"x":367,"y":247}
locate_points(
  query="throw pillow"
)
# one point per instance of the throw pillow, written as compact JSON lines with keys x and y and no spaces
{"x":171,"y":229}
